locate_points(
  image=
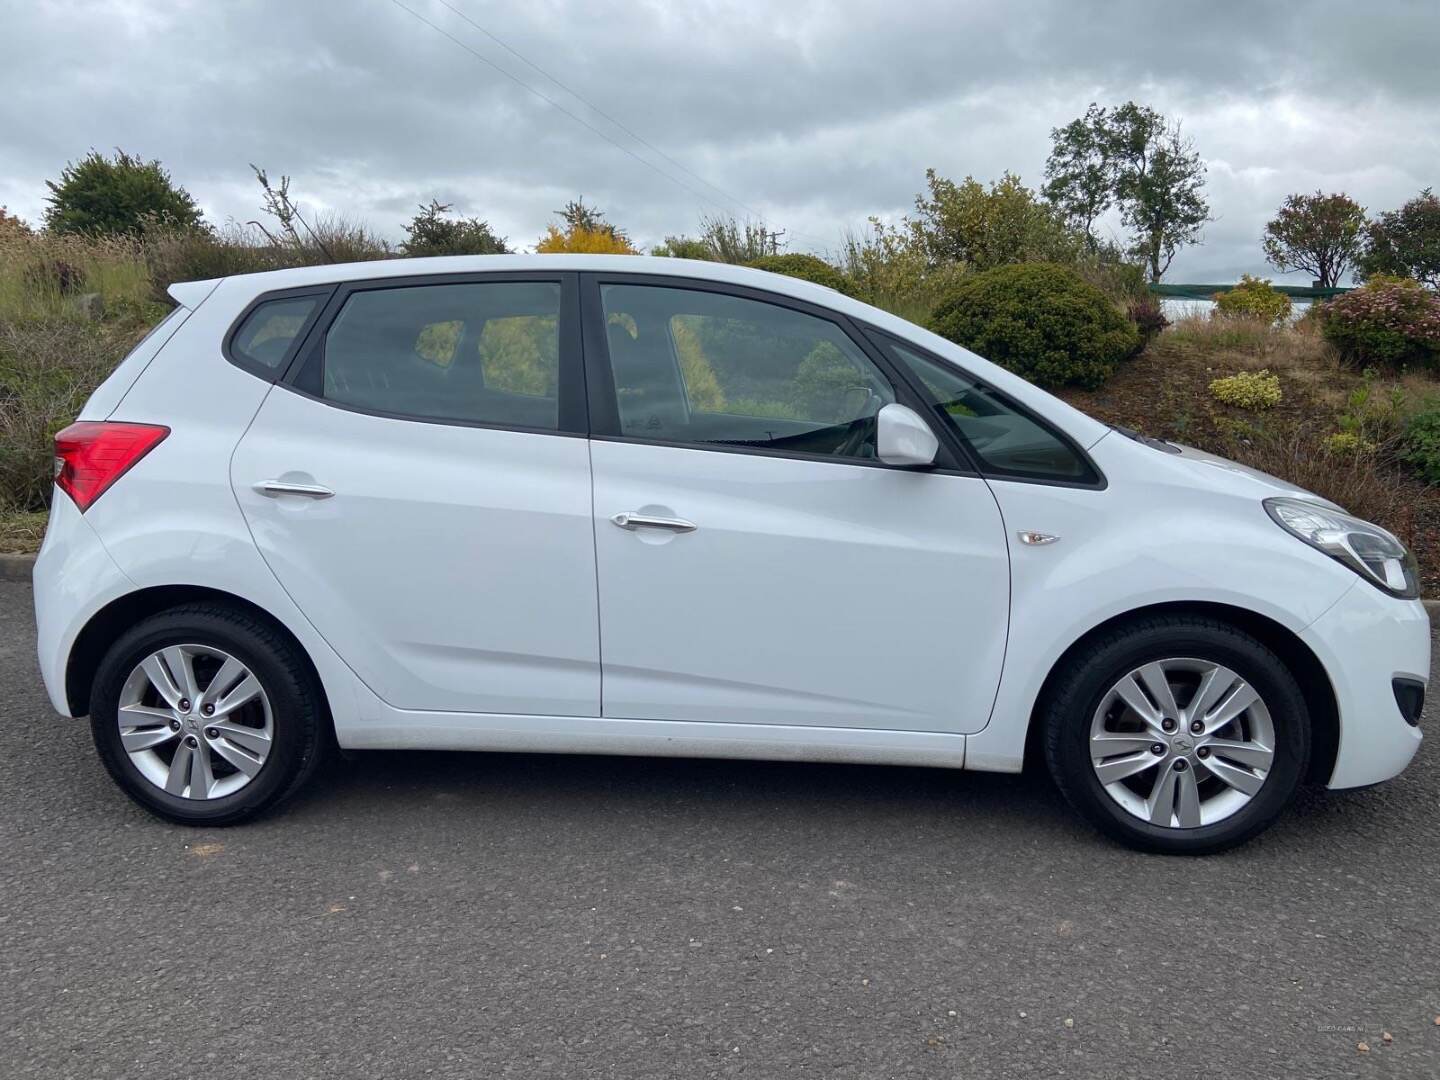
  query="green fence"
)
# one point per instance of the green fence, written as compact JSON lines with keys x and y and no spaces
{"x":1207,"y":292}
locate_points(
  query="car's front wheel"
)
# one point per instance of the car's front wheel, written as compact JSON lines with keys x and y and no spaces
{"x":1177,"y":734}
{"x":206,"y":715}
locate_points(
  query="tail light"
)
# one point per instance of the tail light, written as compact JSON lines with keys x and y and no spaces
{"x":89,"y":457}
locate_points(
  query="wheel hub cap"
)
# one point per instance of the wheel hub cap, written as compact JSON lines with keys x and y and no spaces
{"x":177,"y":749}
{"x":1182,"y":743}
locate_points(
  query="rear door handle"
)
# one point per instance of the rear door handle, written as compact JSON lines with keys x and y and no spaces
{"x":633,"y":521}
{"x":284,"y":487}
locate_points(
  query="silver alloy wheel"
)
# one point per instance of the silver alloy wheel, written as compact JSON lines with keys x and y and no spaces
{"x":195,"y":722}
{"x":1182,"y":743}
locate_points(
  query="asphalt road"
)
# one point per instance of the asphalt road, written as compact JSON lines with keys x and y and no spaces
{"x":454,"y":915}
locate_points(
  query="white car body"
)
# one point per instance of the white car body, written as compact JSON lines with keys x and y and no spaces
{"x":465,"y":589}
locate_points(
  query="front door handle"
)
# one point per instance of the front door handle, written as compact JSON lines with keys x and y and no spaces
{"x":284,"y":487}
{"x":633,"y":521}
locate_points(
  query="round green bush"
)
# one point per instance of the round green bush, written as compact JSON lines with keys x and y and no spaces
{"x":805,"y":267}
{"x":1040,"y":321}
{"x":1389,"y":321}
{"x":1254,"y":298}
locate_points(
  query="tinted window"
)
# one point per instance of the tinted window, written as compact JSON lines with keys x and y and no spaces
{"x":703,"y":367}
{"x":483,"y":353}
{"x":269,"y":330}
{"x":1007,"y":441}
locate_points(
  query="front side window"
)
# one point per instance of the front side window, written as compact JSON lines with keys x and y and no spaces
{"x":472,"y":352}
{"x":703,"y":367}
{"x":1007,"y":441}
{"x":265,"y":337}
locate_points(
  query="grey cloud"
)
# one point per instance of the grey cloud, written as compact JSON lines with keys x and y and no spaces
{"x":817,"y":114}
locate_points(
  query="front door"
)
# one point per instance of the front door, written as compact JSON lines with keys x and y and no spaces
{"x":421,"y":488}
{"x":757,"y":563}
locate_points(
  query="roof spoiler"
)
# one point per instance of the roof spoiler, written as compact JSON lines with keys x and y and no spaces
{"x":191,"y":294}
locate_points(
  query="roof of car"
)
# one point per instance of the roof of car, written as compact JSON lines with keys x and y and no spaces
{"x":299,"y":276}
{"x":240,"y":289}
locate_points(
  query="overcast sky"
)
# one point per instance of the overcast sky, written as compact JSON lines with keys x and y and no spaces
{"x":816,"y":115}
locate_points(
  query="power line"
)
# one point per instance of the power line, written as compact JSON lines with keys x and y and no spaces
{"x":555,"y":104}
{"x":600,"y":112}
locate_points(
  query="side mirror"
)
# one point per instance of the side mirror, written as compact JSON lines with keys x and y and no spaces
{"x":903,"y":438}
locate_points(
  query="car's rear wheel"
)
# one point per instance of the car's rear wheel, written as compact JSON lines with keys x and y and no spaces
{"x":206,"y":715}
{"x":1177,"y":734}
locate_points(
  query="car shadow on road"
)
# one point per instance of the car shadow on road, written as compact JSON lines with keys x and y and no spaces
{"x":498,"y":788}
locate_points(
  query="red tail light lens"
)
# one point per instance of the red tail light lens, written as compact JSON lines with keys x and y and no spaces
{"x":89,"y":457}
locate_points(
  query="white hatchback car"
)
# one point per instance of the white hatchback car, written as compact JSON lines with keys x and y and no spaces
{"x":623,"y":505}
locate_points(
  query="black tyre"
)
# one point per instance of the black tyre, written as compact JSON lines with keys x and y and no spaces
{"x":205,"y":715}
{"x":1177,"y":734}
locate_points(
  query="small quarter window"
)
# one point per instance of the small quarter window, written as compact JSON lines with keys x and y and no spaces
{"x":265,"y":337}
{"x":1007,"y":441}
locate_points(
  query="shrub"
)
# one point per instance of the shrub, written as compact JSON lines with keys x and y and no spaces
{"x":431,"y":232}
{"x":101,"y":196}
{"x":1248,"y":390}
{"x":889,"y":267}
{"x":582,"y":241}
{"x":1420,"y":445}
{"x":1254,"y":297}
{"x":1348,"y":442}
{"x":805,"y":267}
{"x":1389,"y":321}
{"x":1040,"y":321}
{"x":1148,"y":315}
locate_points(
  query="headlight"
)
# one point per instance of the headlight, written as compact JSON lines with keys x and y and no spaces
{"x":1367,"y":549}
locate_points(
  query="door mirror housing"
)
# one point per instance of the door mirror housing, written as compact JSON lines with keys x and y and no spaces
{"x":903,"y":438}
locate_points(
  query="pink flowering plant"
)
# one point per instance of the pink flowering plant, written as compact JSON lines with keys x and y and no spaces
{"x":1390,"y":321}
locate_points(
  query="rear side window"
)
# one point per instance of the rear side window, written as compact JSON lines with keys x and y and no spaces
{"x":267,"y":333}
{"x":1008,"y":441}
{"x":484,"y":353}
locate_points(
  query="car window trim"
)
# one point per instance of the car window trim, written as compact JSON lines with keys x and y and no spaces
{"x":604,"y":408}
{"x":272,"y":375}
{"x":571,"y":408}
{"x":884,"y":340}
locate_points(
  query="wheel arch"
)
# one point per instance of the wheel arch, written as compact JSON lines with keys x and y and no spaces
{"x":1309,"y":672}
{"x":111,"y":620}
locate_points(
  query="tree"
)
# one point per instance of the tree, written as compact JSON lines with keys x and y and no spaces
{"x":123,"y":196}
{"x":1406,"y":242}
{"x":1132,"y":158}
{"x":1078,"y":173}
{"x":430,"y":232}
{"x":1320,"y":234}
{"x":987,"y":227}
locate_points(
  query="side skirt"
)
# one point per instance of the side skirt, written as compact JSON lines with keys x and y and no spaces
{"x":394,"y":729}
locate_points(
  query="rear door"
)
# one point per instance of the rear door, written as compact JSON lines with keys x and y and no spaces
{"x":757,"y":563}
{"x":420,"y":485}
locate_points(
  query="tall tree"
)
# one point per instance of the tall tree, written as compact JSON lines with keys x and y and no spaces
{"x":1078,"y":174}
{"x":1406,"y":242}
{"x":1130,"y":157}
{"x":1320,"y":234}
{"x":124,"y":195}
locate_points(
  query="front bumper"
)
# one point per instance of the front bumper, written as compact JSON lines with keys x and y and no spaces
{"x":1366,"y":641}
